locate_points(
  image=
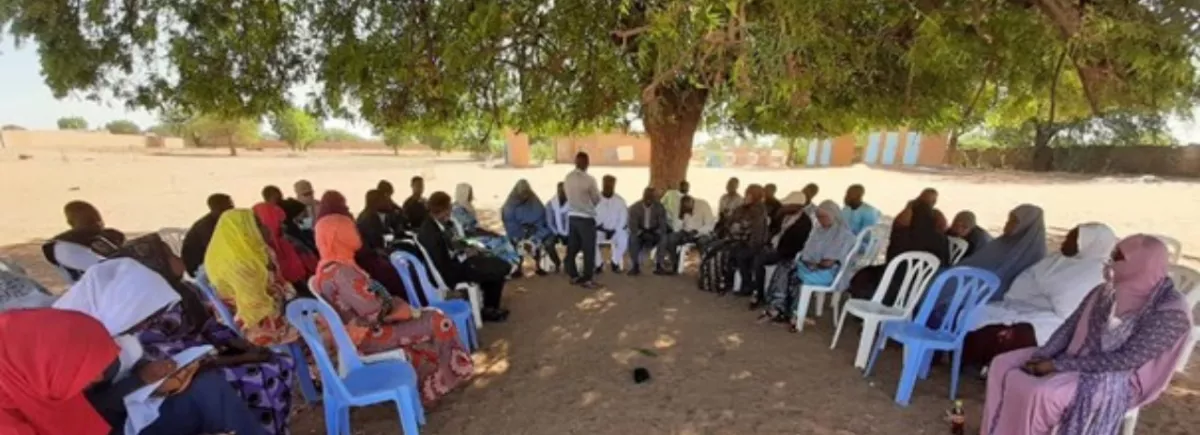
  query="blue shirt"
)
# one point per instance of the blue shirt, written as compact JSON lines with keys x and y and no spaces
{"x":861,"y":218}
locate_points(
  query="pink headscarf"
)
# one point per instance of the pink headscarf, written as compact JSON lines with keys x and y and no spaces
{"x":1137,"y":276}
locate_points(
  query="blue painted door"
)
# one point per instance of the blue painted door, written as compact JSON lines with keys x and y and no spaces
{"x":813,"y":150}
{"x":872,"y":155}
{"x":912,"y":149}
{"x":826,"y":152}
{"x":889,"y":148}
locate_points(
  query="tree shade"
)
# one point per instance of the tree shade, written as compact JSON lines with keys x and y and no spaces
{"x":794,"y":68}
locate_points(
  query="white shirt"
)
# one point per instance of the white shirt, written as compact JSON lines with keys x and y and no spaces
{"x":75,"y":256}
{"x":701,"y":219}
{"x":557,"y":216}
{"x":612,"y":213}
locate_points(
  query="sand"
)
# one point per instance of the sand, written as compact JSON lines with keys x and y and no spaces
{"x":562,"y":364}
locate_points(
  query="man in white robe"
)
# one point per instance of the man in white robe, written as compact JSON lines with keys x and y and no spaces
{"x":556,"y":214}
{"x":612,"y":224}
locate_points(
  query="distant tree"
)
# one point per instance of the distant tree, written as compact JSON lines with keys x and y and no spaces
{"x":296,"y":127}
{"x":122,"y":126}
{"x":12,"y":127}
{"x":212,"y":131}
{"x":72,"y":123}
{"x":396,"y":139}
{"x":339,"y":135}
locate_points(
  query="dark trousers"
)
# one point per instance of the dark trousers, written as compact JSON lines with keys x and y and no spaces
{"x":643,"y":240}
{"x":550,"y":248}
{"x":489,"y":272}
{"x":208,"y":405}
{"x":581,"y":239}
{"x":750,"y":262}
{"x":758,"y":279}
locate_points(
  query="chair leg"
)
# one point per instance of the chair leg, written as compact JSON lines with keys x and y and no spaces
{"x":307,"y":386}
{"x":802,"y":308}
{"x":681,"y":255}
{"x":955,"y":368}
{"x":926,"y":363}
{"x":1129,"y":425}
{"x":408,"y":416}
{"x":908,"y":375}
{"x":333,"y":423}
{"x":474,"y":294}
{"x":1189,"y":346}
{"x":836,"y":307}
{"x":820,"y":308}
{"x":837,"y":331}
{"x":875,"y":355}
{"x":866,"y":341}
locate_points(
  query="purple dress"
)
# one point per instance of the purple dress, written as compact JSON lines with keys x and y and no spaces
{"x":265,"y":386}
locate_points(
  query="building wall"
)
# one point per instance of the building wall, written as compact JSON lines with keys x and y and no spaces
{"x":605,"y":149}
{"x":58,"y":139}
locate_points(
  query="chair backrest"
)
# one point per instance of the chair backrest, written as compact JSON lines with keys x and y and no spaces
{"x":302,"y":314}
{"x":402,"y":261}
{"x":918,"y":271}
{"x":849,"y":262}
{"x":871,"y":243}
{"x":1174,"y":247}
{"x":216,"y":302}
{"x":174,"y":238}
{"x":972,"y":288}
{"x":437,"y":276}
{"x":958,"y":248}
{"x":1187,"y":281}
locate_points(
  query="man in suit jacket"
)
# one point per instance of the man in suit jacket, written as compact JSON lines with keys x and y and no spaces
{"x":378,"y":223}
{"x":436,"y":236}
{"x":648,"y":225}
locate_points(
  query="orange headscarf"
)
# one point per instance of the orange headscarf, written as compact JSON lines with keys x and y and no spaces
{"x":337,"y":240}
{"x":47,"y":359}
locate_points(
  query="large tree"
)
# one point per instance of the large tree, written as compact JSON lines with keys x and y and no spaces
{"x":296,"y":126}
{"x":790,"y":67}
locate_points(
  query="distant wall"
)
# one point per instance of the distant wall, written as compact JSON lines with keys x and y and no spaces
{"x":605,"y":149}
{"x":1156,"y":160}
{"x":58,"y":139}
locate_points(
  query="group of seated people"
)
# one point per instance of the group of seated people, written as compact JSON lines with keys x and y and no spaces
{"x":1100,"y":312}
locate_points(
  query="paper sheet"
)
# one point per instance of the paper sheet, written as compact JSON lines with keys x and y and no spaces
{"x":142,"y":406}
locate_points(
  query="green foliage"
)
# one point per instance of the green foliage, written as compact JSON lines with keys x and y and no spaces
{"x":123,"y":126}
{"x":339,"y":135}
{"x":296,"y":127}
{"x":541,"y":148}
{"x":72,"y":123}
{"x":213,"y":131}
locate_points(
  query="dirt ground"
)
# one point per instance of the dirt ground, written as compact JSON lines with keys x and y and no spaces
{"x":562,"y":364}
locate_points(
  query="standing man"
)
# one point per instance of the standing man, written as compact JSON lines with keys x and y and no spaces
{"x":612,"y":223}
{"x":415,"y":211}
{"x":582,"y":197}
{"x":857,"y":214}
{"x":648,"y":227}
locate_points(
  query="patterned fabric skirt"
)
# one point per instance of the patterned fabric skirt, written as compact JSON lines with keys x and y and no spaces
{"x":784,"y":289}
{"x":432,"y":346}
{"x":716,"y":268}
{"x":499,"y":246}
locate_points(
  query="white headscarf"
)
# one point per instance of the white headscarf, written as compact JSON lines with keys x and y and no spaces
{"x":1046,"y":293}
{"x":120,"y":293}
{"x":462,"y":197}
{"x":832,"y":243}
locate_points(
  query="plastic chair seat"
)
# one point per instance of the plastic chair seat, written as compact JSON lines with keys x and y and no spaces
{"x":379,"y":378}
{"x":908,"y":332}
{"x":863,"y":307}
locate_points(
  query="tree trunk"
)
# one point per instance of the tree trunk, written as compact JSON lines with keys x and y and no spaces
{"x":1043,"y":156}
{"x":791,"y":154}
{"x":672,"y":115}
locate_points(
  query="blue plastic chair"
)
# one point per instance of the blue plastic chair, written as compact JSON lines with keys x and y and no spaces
{"x":458,"y":310}
{"x":364,"y":384}
{"x":972,"y":289}
{"x":307,"y":386}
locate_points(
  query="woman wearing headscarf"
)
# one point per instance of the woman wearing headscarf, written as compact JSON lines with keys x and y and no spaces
{"x":297,"y":228}
{"x":261,"y":377}
{"x":920,"y":235}
{"x":1115,"y":352}
{"x":291,"y":265}
{"x":1022,"y":244}
{"x":819,"y":262}
{"x":124,"y":296}
{"x":745,"y":234}
{"x":794,"y":227}
{"x":85,"y":244}
{"x":965,"y":227}
{"x":332,"y":202}
{"x":377,"y":322}
{"x":18,"y":290}
{"x":1040,"y":298}
{"x":524,"y":218}
{"x":241,"y":267}
{"x":463,"y":213}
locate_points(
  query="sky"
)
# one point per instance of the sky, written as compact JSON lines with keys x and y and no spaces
{"x":26,"y":101}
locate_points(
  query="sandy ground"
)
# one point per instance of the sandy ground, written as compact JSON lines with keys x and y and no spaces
{"x":562,"y":364}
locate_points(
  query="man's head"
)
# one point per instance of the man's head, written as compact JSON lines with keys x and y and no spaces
{"x":854,"y":195}
{"x":439,"y":206}
{"x":810,"y":191}
{"x":304,"y":191}
{"x":83,"y":216}
{"x":376,"y":201}
{"x":1070,"y":245}
{"x":219,"y":202}
{"x":754,"y":194}
{"x":418,"y":186}
{"x":963,"y":223}
{"x":582,"y":161}
{"x":562,"y":190}
{"x":385,"y":187}
{"x":686,"y":204}
{"x":609,"y":187}
{"x":731,"y":186}
{"x":684,"y":187}
{"x":770,"y":190}
{"x":649,"y":195}
{"x":929,"y":196}
{"x":272,"y":195}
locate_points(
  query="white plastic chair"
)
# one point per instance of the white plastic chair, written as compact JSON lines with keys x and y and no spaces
{"x":474,"y":292}
{"x":919,"y":269}
{"x":868,"y":248}
{"x":1187,"y":281}
{"x":958,"y":248}
{"x":681,"y":254}
{"x":1174,"y":246}
{"x":174,"y":238}
{"x":343,"y":364}
{"x":807,"y":290}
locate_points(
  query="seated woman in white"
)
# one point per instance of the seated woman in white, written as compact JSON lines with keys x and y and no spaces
{"x":1042,"y":296}
{"x":85,"y":244}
